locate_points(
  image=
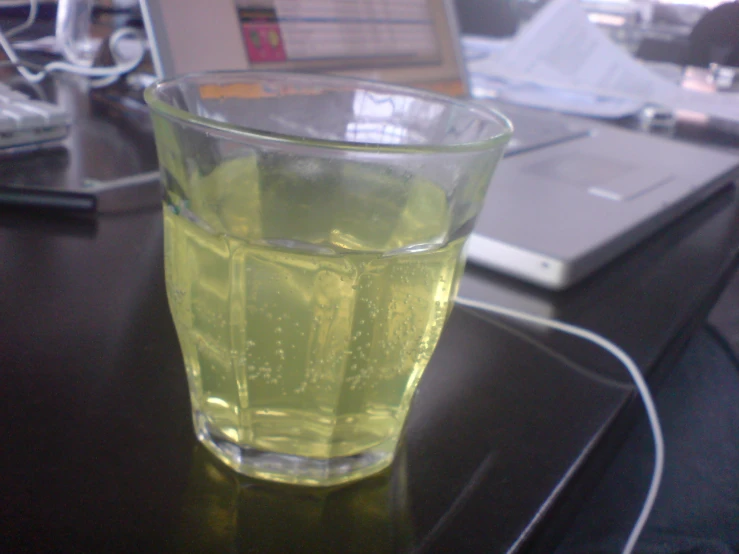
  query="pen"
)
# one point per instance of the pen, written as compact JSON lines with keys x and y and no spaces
{"x":139,"y":191}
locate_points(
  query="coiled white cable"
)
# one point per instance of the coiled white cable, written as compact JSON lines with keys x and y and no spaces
{"x":659,"y":449}
{"x":104,"y":75}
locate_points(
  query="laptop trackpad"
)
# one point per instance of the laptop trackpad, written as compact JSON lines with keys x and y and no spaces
{"x":613,"y":179}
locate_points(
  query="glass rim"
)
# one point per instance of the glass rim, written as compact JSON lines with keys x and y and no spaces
{"x":240,"y":132}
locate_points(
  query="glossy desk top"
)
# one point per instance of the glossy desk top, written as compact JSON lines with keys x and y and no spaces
{"x":510,"y":426}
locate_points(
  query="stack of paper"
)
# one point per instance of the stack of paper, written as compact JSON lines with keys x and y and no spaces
{"x":561,"y":61}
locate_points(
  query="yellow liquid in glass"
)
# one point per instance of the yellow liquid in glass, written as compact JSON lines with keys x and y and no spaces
{"x":311,"y":346}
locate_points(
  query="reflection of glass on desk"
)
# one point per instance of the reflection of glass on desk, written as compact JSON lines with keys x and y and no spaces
{"x":224,"y":512}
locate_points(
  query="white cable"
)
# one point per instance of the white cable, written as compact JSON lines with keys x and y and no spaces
{"x":659,"y":448}
{"x":115,"y":71}
{"x":30,"y":20}
{"x":120,"y":60}
{"x":13,"y":57}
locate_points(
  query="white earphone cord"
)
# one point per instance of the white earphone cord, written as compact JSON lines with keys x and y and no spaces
{"x":659,"y":449}
{"x":104,"y":75}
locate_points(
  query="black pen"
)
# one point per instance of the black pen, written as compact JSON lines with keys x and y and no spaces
{"x":139,"y":191}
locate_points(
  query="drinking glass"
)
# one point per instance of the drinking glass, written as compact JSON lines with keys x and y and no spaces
{"x":314,"y":240}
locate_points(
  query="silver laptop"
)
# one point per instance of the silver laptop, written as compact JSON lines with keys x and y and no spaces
{"x":570,"y":195}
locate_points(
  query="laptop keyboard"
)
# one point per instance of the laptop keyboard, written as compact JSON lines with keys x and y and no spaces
{"x":26,"y":122}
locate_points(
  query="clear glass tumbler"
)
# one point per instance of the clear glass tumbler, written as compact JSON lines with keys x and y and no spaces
{"x":314,"y":240}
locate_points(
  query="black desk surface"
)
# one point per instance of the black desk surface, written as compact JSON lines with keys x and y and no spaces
{"x":503,"y":438}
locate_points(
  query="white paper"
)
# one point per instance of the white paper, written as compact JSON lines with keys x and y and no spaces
{"x":558,"y":99}
{"x":561,"y":49}
{"x":483,"y":55}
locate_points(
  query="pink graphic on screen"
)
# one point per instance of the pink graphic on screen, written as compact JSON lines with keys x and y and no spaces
{"x":263,"y":42}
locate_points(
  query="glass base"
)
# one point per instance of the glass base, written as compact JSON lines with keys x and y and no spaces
{"x":287,"y":468}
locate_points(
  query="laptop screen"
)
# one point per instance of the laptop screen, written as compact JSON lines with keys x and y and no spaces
{"x":412,"y":42}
